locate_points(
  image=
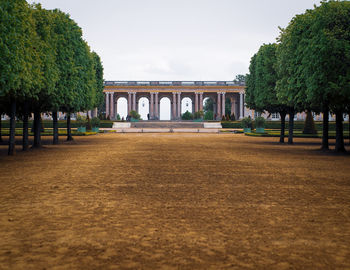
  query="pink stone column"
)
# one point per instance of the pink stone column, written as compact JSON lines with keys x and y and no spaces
{"x":107,"y":105}
{"x":201,"y":101}
{"x":174,"y":106}
{"x":195,"y":102}
{"x":134,"y":101}
{"x":241,"y":105}
{"x":218,"y":106}
{"x":223,"y":103}
{"x":157,"y":106}
{"x":112,"y":105}
{"x":179,"y":105}
{"x":151,"y":113}
{"x":233,"y":106}
{"x":129,"y":102}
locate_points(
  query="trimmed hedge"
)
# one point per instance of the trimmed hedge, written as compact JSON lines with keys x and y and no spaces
{"x":61,"y":124}
{"x":298,"y":125}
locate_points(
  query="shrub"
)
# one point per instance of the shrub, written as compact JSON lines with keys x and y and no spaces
{"x":198,"y":115}
{"x":223,"y":118}
{"x":95,"y":122}
{"x":260,"y":122}
{"x":118,"y":116}
{"x":81,"y":121}
{"x":309,"y":124}
{"x":209,"y":115}
{"x":135,"y":115}
{"x":233,"y":118}
{"x":187,"y":116}
{"x":246,"y":122}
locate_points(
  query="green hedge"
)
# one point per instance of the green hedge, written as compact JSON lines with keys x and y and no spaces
{"x":61,"y":124}
{"x":298,"y":125}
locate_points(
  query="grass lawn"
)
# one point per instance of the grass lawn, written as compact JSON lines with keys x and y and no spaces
{"x":175,"y":201}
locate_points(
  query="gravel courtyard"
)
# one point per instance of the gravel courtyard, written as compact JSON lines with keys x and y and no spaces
{"x":175,"y":201}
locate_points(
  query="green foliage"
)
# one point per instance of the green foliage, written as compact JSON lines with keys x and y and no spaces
{"x":81,"y":121}
{"x":309,"y":124}
{"x":233,"y":117}
{"x":208,"y":115}
{"x":135,"y":115}
{"x":208,"y":105}
{"x":95,"y":122}
{"x":187,"y":116}
{"x":198,"y":115}
{"x":246,"y":122}
{"x":260,"y":122}
{"x":118,"y":116}
{"x":240,"y":78}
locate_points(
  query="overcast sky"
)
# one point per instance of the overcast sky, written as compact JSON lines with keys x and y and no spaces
{"x":178,"y":39}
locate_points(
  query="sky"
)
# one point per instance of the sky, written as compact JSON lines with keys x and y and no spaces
{"x":178,"y":39}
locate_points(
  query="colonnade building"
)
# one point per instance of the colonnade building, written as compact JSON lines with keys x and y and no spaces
{"x":175,"y":91}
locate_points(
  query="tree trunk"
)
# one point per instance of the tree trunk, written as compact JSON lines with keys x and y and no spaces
{"x":69,"y":131}
{"x":291,"y":127}
{"x":325,"y":111}
{"x":12,"y":142}
{"x":283,"y":126}
{"x":55,"y":127}
{"x":339,"y":137}
{"x":349,"y":125}
{"x":37,"y":130}
{"x":25,"y":128}
{"x":0,"y":129}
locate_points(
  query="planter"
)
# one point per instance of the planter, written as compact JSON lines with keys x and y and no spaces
{"x":247,"y":130}
{"x":95,"y":129}
{"x":81,"y":129}
{"x":260,"y":130}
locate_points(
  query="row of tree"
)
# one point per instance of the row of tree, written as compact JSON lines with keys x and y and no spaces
{"x":308,"y":69}
{"x":45,"y":66}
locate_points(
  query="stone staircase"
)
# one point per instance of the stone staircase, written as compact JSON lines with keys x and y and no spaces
{"x":166,"y":124}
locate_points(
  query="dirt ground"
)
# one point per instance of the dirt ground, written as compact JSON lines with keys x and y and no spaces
{"x":175,"y":201}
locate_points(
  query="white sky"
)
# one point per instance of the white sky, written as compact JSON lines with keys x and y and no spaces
{"x":178,"y":39}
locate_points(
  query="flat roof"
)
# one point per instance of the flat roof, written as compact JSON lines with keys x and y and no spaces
{"x":173,"y":83}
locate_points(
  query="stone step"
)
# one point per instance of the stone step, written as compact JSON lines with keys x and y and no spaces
{"x":166,"y":124}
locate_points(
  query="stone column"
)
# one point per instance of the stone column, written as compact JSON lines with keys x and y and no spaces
{"x":179,"y":105}
{"x":129,"y":102}
{"x":112,"y":105}
{"x":157,"y":106}
{"x":223,"y":103}
{"x":196,"y":102}
{"x":241,"y":105}
{"x":201,"y":101}
{"x":218,"y":116}
{"x":233,"y":107}
{"x":95,"y":112}
{"x":151,"y":112}
{"x":134,"y":101}
{"x":174,"y":106}
{"x":107,"y":104}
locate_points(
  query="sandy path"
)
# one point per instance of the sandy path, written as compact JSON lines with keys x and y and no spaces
{"x":175,"y":201}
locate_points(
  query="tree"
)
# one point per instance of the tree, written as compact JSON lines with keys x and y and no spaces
{"x":19,"y":62}
{"x":70,"y":53}
{"x":240,"y":78}
{"x":291,"y":85}
{"x":99,"y":80}
{"x":261,"y":84}
{"x":46,"y":97}
{"x":326,"y":62}
{"x":208,"y":105}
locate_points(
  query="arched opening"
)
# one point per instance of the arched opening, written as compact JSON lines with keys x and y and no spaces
{"x":165,"y":109}
{"x":144,"y":108}
{"x":186,"y":105}
{"x":208,"y":108}
{"x":122,"y":107}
